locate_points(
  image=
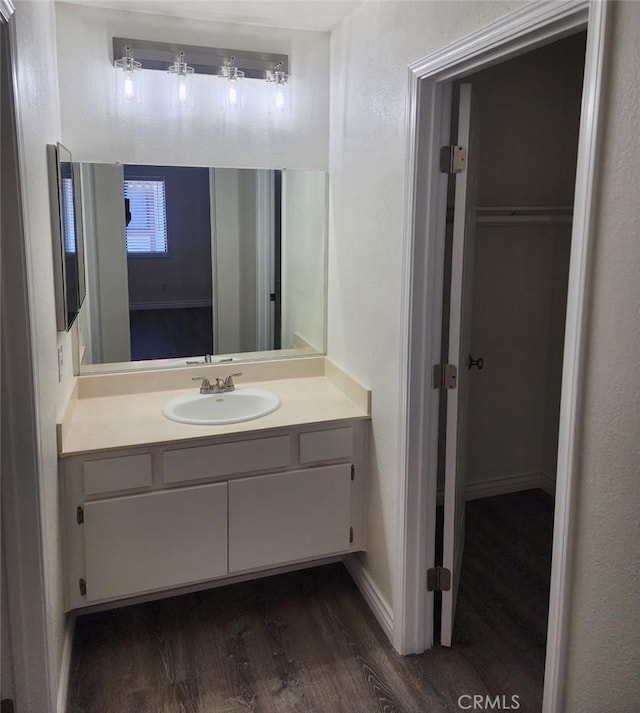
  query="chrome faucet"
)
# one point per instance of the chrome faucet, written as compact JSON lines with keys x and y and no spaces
{"x":220,"y":386}
{"x":208,"y":359}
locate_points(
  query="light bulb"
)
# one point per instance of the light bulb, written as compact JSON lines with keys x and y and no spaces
{"x":279,"y":100}
{"x":183,"y":95}
{"x":232,"y":95}
{"x":129,"y":88}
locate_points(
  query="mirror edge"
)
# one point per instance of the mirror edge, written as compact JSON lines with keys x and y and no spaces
{"x":53,"y":162}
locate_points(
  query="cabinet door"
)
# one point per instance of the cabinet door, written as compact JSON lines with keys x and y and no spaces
{"x":286,"y":517}
{"x":141,"y":543}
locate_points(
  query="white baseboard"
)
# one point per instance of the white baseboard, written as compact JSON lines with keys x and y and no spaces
{"x":65,"y":664}
{"x":548,"y":484}
{"x":176,"y":304}
{"x":372,"y":595}
{"x":504,"y":484}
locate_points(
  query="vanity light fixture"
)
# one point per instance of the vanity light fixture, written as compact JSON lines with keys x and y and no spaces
{"x":280,"y":96}
{"x":232,"y":71}
{"x":127,"y":83}
{"x":181,"y":92}
{"x":231,"y":93}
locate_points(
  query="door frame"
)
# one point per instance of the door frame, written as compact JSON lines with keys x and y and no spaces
{"x":428,"y":113}
{"x":27,"y":579}
{"x":265,"y":247}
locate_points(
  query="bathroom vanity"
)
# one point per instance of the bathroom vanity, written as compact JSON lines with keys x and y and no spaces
{"x":152,"y":506}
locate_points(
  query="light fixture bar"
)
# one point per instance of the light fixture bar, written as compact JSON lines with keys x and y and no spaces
{"x":204,"y":60}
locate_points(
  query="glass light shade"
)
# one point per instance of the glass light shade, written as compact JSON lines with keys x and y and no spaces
{"x":279,"y":93}
{"x":127,"y":80}
{"x":181,"y":95}
{"x":231,"y":95}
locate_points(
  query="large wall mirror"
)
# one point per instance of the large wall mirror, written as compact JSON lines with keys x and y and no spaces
{"x":198,"y":264}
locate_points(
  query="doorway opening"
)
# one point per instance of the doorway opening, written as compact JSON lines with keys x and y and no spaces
{"x":431,"y":89}
{"x":506,"y":276}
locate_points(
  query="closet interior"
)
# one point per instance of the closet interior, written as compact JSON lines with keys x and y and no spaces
{"x":527,"y":114}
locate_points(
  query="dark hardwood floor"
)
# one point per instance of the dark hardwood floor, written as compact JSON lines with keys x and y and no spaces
{"x":306,"y":642}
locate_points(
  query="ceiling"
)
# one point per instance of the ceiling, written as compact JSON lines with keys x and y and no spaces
{"x":319,"y":15}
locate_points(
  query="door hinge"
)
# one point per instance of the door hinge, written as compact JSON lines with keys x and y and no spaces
{"x":351,"y":534}
{"x":83,"y":587}
{"x":438,"y":579}
{"x":79,"y":515}
{"x":353,"y":472}
{"x":445,"y":376}
{"x":453,"y":159}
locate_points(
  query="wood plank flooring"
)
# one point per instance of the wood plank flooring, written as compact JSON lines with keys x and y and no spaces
{"x":306,"y":642}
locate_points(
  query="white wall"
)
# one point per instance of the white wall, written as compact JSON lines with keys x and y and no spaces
{"x":604,"y":644}
{"x":370,"y":55}
{"x":39,"y":124}
{"x":304,"y":218}
{"x":512,"y":309}
{"x":95,"y":128}
{"x":371,"y":51}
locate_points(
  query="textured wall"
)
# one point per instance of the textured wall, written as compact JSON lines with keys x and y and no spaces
{"x":303,"y":257}
{"x":39,"y":124}
{"x":96,"y":129}
{"x":370,"y":54}
{"x":604,"y":643}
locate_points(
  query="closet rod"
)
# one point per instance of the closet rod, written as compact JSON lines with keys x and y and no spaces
{"x":520,"y":214}
{"x":524,"y":214}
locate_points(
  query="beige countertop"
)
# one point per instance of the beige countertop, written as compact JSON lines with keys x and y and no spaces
{"x":130,"y":420}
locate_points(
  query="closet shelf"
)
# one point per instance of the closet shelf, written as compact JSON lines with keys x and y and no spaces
{"x":524,"y":214}
{"x":497,"y":215}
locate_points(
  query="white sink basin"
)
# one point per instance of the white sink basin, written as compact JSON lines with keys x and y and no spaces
{"x":231,"y":407}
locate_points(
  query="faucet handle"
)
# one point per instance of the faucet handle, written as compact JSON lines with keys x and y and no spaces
{"x":205,"y":387}
{"x":228,"y":382}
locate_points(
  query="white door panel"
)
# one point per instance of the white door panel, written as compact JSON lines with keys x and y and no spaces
{"x":459,"y":350}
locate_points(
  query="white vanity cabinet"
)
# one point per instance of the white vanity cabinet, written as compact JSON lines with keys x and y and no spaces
{"x":289,"y":516}
{"x":151,"y":541}
{"x":165,"y":517}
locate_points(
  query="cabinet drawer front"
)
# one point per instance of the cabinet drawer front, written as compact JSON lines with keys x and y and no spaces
{"x":317,"y":446}
{"x":226,"y":459}
{"x":141,"y":543}
{"x":275,"y":519}
{"x":109,"y":475}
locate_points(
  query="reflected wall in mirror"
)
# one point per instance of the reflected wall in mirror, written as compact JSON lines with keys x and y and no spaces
{"x":189,"y":263}
{"x":68,"y":257}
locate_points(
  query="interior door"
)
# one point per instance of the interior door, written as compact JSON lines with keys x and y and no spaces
{"x":458,"y":355}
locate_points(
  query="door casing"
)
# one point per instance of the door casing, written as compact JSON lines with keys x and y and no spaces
{"x":428,"y":121}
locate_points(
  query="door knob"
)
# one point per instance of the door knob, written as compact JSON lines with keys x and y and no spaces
{"x":479,"y":362}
